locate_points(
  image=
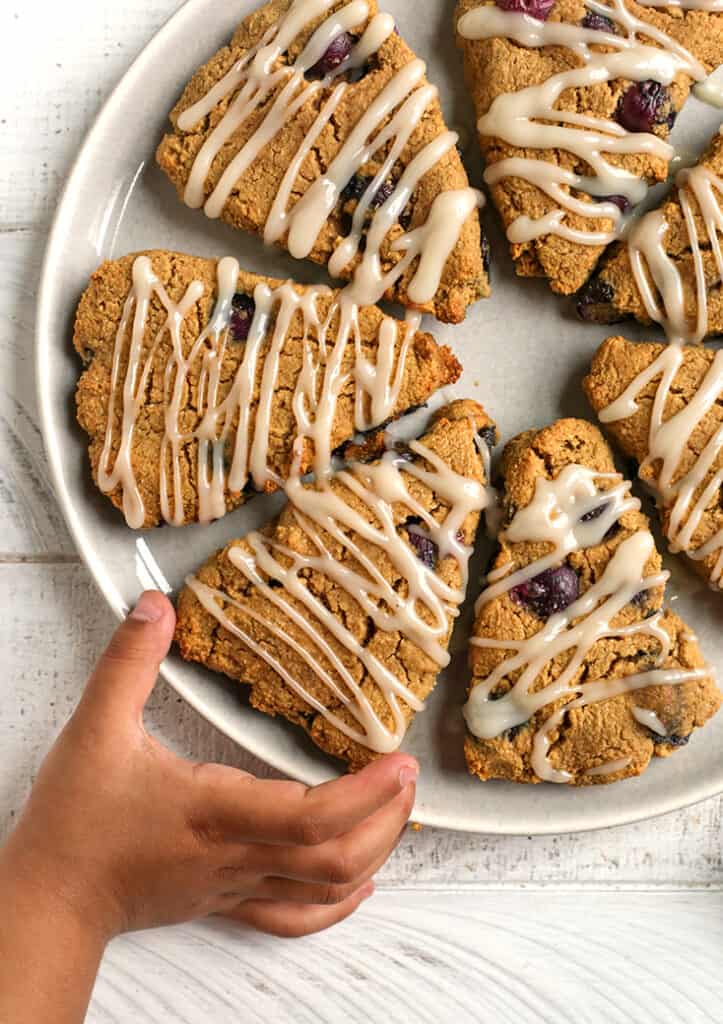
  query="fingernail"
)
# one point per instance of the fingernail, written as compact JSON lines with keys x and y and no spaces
{"x":366,"y":890}
{"x":147,"y":609}
{"x":408,"y":773}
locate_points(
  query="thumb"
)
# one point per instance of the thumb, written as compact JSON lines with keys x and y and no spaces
{"x":127,"y":670}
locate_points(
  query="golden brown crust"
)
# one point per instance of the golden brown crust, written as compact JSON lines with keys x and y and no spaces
{"x":464,"y":279}
{"x":499,"y":65}
{"x":613,"y":291}
{"x":428,"y":367}
{"x":597,"y":733}
{"x":452,"y":437}
{"x":616,"y":364}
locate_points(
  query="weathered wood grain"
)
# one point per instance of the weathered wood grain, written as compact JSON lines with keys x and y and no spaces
{"x":431,"y":958}
{"x":59,"y":63}
{"x":31,"y":525}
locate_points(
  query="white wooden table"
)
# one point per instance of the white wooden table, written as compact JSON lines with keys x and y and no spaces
{"x":615,"y":926}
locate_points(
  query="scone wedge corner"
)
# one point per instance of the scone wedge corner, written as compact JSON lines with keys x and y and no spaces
{"x":338,"y":614}
{"x":661,"y":405}
{"x":316,"y":128}
{"x":574,"y":118}
{"x":579,"y":673}
{"x":204,"y":382}
{"x":678,"y":238}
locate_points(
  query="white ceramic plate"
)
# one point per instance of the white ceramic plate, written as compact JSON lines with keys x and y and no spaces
{"x":524,"y":355}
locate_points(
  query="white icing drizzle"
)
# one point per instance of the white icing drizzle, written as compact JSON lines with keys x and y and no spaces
{"x":554,"y":516}
{"x":610,"y":767}
{"x":325,"y":342}
{"x":661,"y":287}
{"x":712,"y":6}
{"x":648,"y":718}
{"x":493,"y":507}
{"x":390,"y":120}
{"x":421,"y":616}
{"x":529,"y":118}
{"x":656,"y":274}
{"x":710,"y":91}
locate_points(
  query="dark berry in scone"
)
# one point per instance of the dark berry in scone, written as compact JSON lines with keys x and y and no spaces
{"x":313,"y":612}
{"x":315,"y":128}
{"x":574,"y":112}
{"x":579,"y":673}
{"x":623,"y":287}
{"x":195,"y":372}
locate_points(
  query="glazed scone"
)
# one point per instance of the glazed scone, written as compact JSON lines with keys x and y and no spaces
{"x":680,"y":457}
{"x":579,"y":675}
{"x":547,"y":171}
{"x":201,"y":378}
{"x":338,"y":614}
{"x":315,"y":128}
{"x":614,"y":293}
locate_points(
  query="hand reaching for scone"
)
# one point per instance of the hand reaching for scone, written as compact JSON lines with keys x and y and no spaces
{"x":121,"y":834}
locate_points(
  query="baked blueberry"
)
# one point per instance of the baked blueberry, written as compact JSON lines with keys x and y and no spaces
{"x":643,"y":106}
{"x":335,"y":54}
{"x":243,"y":308}
{"x":598,"y":22}
{"x":425,"y":548}
{"x":550,"y":592}
{"x":622,"y":202}
{"x":538,"y":9}
{"x":382,"y":194}
{"x":357,"y":186}
{"x":354,"y":188}
{"x":673,"y":741}
{"x":595,"y":303}
{"x":594,"y":513}
{"x":486,"y":254}
{"x":488,"y":435}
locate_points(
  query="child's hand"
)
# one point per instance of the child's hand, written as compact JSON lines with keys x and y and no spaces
{"x":127,"y":835}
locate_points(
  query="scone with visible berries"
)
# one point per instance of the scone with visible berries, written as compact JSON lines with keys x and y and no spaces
{"x":614,"y":292}
{"x":316,"y":128}
{"x":338,"y":614}
{"x":575,"y":103}
{"x":202,"y":381}
{"x":662,"y":406}
{"x":579,"y":675}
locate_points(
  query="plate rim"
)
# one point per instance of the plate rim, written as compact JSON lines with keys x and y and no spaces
{"x":44,"y":334}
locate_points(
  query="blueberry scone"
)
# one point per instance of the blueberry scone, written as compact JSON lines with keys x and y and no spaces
{"x":338,"y":614}
{"x":670,"y":269}
{"x":575,"y":103}
{"x":316,"y":128}
{"x":663,"y":406}
{"x":579,"y":673}
{"x":204,"y":383}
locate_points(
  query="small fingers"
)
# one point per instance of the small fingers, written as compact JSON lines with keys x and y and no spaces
{"x":344,"y":862}
{"x":288,"y":813}
{"x":127,"y":670}
{"x":324,"y":893}
{"x":290,"y":920}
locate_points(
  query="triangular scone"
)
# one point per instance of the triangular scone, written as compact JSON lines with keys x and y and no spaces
{"x":579,"y":675}
{"x":506,"y":52}
{"x":316,"y":129}
{"x":613,"y":293}
{"x":338,"y":614}
{"x":201,"y":378}
{"x":681,"y":457}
